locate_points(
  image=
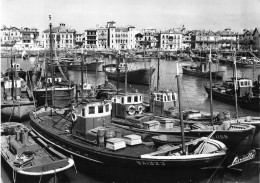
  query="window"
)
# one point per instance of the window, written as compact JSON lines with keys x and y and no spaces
{"x":100,"y":109}
{"x":165,"y":99}
{"x":135,"y":98}
{"x":140,"y":98}
{"x":122,"y":100}
{"x":169,"y":97}
{"x":83,"y":112}
{"x":129,"y":99}
{"x":107,"y":108}
{"x":91,"y":110}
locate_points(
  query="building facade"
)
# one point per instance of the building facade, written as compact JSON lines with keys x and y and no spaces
{"x":228,"y":39}
{"x":203,"y":40}
{"x":28,"y":39}
{"x":102,"y":38}
{"x":63,"y":37}
{"x":10,"y":35}
{"x":149,"y":39}
{"x":79,"y":38}
{"x":90,"y":38}
{"x":120,"y":37}
{"x":256,"y":39}
{"x":170,"y":40}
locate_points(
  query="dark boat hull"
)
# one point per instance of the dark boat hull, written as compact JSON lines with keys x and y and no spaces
{"x":252,"y":104}
{"x":85,"y":152}
{"x":215,"y":75}
{"x":138,"y":76}
{"x":90,"y":67}
{"x":16,"y":111}
{"x":62,"y":98}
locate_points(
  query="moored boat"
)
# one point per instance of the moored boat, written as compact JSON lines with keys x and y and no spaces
{"x":29,"y":157}
{"x":91,"y":137}
{"x":16,"y":98}
{"x":199,"y":72}
{"x":134,"y":76}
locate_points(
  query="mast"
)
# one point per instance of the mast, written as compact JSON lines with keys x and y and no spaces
{"x":117,"y":68}
{"x":51,"y":59}
{"x":180,"y":109}
{"x":235,"y":82}
{"x":210,"y":86}
{"x":125,"y":75}
{"x":46,"y":76}
{"x":12,"y":70}
{"x":158,"y":72}
{"x":82,"y":82}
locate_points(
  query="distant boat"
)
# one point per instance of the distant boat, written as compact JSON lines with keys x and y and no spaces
{"x":134,"y":76}
{"x":29,"y":157}
{"x":16,"y":97}
{"x":199,"y":72}
{"x":247,"y":97}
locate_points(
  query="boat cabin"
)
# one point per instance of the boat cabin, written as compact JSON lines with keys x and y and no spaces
{"x":127,"y":104}
{"x":244,"y":87}
{"x":16,"y":66}
{"x":89,"y":115}
{"x":162,"y":101}
{"x":10,"y":93}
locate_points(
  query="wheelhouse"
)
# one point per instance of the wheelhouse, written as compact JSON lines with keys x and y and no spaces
{"x":133,"y":98}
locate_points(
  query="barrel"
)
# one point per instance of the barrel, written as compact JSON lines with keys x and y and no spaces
{"x":18,"y":134}
{"x":101,"y":137}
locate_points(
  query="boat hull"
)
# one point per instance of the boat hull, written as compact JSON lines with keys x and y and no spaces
{"x":138,"y":76}
{"x":215,"y":75}
{"x":94,"y":66}
{"x":251,"y":104}
{"x":17,"y":111}
{"x":85,"y":152}
{"x":62,"y":97}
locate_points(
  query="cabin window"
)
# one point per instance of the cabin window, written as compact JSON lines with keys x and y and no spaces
{"x":91,"y":110}
{"x":114,"y":100}
{"x":161,"y":98}
{"x":135,"y":98}
{"x":169,"y":97}
{"x":83,"y":112}
{"x":100,"y":109}
{"x":129,"y":99}
{"x":122,"y":100}
{"x":107,"y":108}
{"x":157,"y":97}
{"x":140,"y":98}
{"x":165,"y":99}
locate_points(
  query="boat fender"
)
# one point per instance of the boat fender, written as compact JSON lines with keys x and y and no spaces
{"x":73,"y":116}
{"x":140,"y":109}
{"x":131,"y":109}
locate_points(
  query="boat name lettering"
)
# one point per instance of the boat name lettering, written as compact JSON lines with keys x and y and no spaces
{"x":150,"y":163}
{"x":243,"y":158}
{"x":221,"y":136}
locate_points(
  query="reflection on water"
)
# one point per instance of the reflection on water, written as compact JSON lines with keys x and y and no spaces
{"x":194,"y":97}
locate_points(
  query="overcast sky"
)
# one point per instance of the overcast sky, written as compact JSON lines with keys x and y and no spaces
{"x":160,"y":14}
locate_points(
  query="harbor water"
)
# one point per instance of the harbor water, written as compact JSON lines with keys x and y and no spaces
{"x":194,"y":97}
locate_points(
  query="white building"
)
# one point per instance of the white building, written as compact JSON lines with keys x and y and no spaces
{"x":170,"y":40}
{"x":120,"y":37}
{"x":102,"y":38}
{"x":28,"y":39}
{"x":64,"y":37}
{"x":10,"y":35}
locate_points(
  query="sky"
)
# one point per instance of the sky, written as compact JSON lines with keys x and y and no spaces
{"x":159,"y":14}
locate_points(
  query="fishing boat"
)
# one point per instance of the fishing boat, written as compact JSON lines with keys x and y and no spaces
{"x":200,"y":71}
{"x":16,"y":97}
{"x":86,"y":133}
{"x":106,"y":90}
{"x":29,"y":157}
{"x":246,"y":98}
{"x":125,"y":106}
{"x":15,"y":68}
{"x":90,"y":65}
{"x":134,"y":76}
{"x":49,"y":81}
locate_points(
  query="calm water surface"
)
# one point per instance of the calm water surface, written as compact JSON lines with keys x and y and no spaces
{"x":194,"y":97}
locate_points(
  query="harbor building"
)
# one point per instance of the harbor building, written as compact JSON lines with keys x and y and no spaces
{"x":79,"y":39}
{"x":170,"y":40}
{"x":228,"y":39}
{"x":202,"y":40}
{"x":63,"y":37}
{"x":28,"y":39}
{"x":10,"y":35}
{"x":90,"y":36}
{"x":256,"y":38}
{"x":120,"y":37}
{"x":102,"y":38}
{"x":246,"y":40}
{"x":186,"y":39}
{"x":149,"y":38}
